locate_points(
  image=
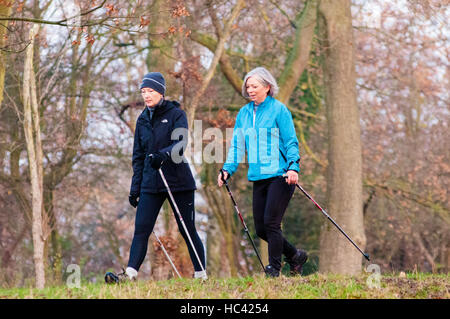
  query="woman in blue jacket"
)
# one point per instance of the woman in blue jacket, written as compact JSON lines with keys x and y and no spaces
{"x":265,"y":129}
{"x":154,"y":148}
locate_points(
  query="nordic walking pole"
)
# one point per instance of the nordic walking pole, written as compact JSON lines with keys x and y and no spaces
{"x":331,"y":219}
{"x":241,"y":218}
{"x":181,"y":218}
{"x":167,"y":255}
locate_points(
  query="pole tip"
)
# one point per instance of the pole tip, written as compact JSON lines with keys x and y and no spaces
{"x":367,"y":256}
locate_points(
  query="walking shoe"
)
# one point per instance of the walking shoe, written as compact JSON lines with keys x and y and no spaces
{"x":112,"y":278}
{"x":200,"y":275}
{"x":297,"y":261}
{"x":271,"y":272}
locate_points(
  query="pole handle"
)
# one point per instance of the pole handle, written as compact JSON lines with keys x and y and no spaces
{"x":222,"y":175}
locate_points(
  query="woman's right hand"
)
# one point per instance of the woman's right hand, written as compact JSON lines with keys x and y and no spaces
{"x":133,"y":199}
{"x":220,"y":182}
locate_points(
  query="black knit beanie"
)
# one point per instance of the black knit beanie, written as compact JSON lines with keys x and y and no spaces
{"x":155,"y":81}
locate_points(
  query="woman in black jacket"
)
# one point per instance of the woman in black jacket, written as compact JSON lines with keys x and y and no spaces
{"x":154,"y":148}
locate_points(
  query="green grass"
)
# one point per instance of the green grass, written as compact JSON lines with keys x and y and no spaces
{"x":316,"y":286}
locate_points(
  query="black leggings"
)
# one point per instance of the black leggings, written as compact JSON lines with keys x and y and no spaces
{"x":270,"y":199}
{"x":147,"y":212}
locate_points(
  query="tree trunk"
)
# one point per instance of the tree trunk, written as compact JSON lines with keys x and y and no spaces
{"x":299,"y":56}
{"x":34,"y":149}
{"x":159,"y":58}
{"x":344,"y":180}
{"x":5,"y":11}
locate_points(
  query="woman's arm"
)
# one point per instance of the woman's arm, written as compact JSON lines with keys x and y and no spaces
{"x":137,"y":162}
{"x":237,"y":148}
{"x":288,"y":139}
{"x":179,"y":139}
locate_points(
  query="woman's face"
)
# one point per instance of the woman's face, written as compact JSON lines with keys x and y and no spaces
{"x":256,"y":91}
{"x":150,"y":96}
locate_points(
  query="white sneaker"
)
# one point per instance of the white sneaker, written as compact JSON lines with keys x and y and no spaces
{"x":201,"y":274}
{"x":131,"y":273}
{"x":113,"y":278}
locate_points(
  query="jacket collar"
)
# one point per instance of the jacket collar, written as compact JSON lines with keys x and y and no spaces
{"x":159,"y":110}
{"x":267,"y":101}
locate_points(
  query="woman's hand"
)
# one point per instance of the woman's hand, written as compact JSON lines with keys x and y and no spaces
{"x":291,"y":177}
{"x":220,"y":182}
{"x":133,"y":199}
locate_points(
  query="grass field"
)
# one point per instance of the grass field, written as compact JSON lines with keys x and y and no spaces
{"x":316,"y":286}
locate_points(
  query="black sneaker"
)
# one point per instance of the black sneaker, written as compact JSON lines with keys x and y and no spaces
{"x":112,"y":278}
{"x":297,"y":261}
{"x":271,"y":272}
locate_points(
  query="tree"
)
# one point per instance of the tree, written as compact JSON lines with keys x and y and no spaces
{"x":31,"y":125}
{"x":344,"y":179}
{"x":402,"y":90}
{"x":223,"y":36}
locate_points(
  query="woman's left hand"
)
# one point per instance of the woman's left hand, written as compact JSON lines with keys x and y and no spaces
{"x":291,"y":177}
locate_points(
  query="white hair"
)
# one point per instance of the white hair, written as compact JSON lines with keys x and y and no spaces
{"x":263,"y":76}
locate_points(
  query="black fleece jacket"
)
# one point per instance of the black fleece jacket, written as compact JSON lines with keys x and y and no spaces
{"x":153,"y":136}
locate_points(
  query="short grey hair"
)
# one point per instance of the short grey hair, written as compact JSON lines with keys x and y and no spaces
{"x":263,"y":76}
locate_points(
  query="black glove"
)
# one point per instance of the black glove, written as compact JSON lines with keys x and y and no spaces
{"x":156,"y":160}
{"x":133,"y":199}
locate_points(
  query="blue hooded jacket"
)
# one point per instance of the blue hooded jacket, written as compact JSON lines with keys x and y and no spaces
{"x":268,"y":135}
